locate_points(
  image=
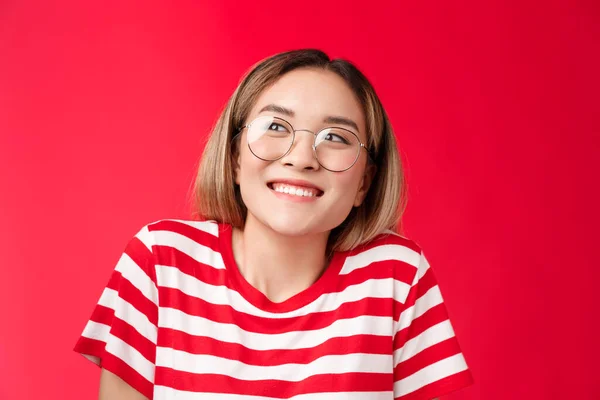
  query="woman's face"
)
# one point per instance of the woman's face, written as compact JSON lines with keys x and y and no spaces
{"x":305,"y":98}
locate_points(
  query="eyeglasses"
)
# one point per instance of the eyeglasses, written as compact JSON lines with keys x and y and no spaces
{"x":271,"y":138}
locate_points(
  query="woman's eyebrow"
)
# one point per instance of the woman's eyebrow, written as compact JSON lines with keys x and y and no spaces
{"x":328,"y":120}
{"x":277,"y":109}
{"x":341,"y":121}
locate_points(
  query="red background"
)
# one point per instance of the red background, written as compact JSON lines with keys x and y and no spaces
{"x":104,"y":106}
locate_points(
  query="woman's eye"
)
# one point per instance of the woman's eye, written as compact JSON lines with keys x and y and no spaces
{"x":277,"y":127}
{"x":335,"y":138}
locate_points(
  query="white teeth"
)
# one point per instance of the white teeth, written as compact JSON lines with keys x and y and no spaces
{"x":296,"y":191}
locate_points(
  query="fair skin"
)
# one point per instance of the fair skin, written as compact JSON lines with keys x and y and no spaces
{"x":281,"y":250}
{"x":114,"y":388}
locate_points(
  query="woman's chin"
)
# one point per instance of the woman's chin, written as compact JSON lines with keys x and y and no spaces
{"x":288,"y":228}
{"x":289,"y":225}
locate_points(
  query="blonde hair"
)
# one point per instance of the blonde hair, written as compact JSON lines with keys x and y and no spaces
{"x":217,"y":197}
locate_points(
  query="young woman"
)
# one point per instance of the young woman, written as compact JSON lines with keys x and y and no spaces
{"x":294,"y":282}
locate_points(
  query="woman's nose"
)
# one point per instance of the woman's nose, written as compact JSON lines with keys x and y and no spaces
{"x":301,"y":154}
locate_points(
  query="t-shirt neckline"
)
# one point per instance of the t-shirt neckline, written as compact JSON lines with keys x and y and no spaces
{"x":325,"y":283}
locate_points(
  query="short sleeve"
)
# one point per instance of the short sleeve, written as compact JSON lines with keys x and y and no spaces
{"x":428,"y":361}
{"x":121,"y":333}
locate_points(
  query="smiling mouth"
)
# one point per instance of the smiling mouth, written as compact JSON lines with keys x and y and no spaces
{"x":294,"y":190}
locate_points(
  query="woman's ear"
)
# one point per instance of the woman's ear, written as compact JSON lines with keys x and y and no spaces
{"x":365,"y":184}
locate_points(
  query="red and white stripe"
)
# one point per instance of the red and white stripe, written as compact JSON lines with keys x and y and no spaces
{"x":173,"y":323}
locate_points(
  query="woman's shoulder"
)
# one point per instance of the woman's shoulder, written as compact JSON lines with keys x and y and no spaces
{"x":389,"y":245}
{"x":174,"y":224}
{"x":392,"y":237}
{"x":175,"y":232}
{"x":388,"y":249}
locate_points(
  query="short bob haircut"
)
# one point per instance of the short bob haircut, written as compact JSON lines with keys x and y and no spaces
{"x":217,"y":197}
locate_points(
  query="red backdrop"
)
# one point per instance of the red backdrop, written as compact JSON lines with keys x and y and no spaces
{"x":104,"y":107}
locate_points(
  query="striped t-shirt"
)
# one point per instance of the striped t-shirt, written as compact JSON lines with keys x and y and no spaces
{"x":177,"y":320}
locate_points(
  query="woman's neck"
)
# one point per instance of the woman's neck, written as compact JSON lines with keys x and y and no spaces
{"x":277,"y":265}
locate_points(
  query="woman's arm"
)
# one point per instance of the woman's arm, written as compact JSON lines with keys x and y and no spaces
{"x":114,"y":388}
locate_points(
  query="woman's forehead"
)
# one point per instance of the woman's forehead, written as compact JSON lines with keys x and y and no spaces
{"x":311,"y":96}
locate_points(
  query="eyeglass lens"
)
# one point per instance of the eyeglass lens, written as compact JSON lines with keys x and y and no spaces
{"x":270,"y":138}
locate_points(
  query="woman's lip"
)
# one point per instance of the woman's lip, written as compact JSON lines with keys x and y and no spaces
{"x":293,"y":197}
